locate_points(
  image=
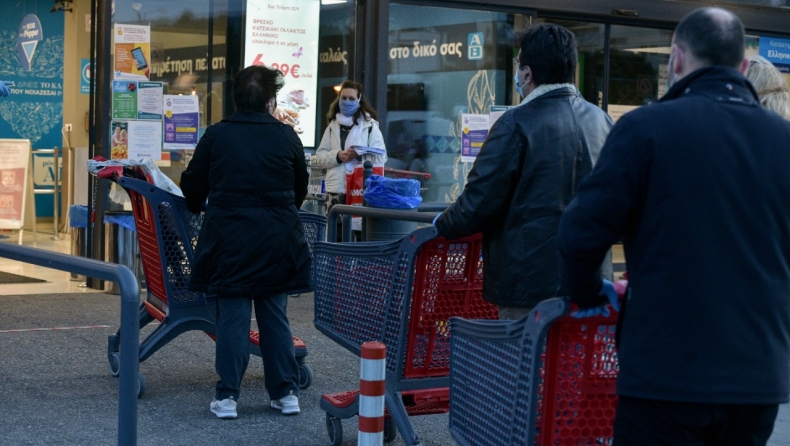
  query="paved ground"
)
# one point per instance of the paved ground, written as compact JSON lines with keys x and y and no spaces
{"x":57,"y":390}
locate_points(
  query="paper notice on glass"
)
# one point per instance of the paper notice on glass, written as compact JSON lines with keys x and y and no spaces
{"x":475,"y":132}
{"x":182,"y":118}
{"x":496,"y":112}
{"x":145,"y":140}
{"x":149,"y":100}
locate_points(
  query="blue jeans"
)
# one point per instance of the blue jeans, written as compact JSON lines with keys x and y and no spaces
{"x":233,"y":345}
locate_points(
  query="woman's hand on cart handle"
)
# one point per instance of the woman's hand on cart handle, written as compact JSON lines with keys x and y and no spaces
{"x":608,"y":290}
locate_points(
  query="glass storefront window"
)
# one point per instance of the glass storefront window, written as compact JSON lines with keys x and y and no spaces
{"x":443,"y":62}
{"x":335,"y":53}
{"x":637,"y":67}
{"x":184,"y":57}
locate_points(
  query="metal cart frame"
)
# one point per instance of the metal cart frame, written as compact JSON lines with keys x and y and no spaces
{"x":400,"y":293}
{"x":167,"y":233}
{"x":547,"y":379}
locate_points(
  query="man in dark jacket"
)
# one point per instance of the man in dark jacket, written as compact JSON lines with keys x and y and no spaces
{"x":697,"y":187}
{"x":527,"y":172}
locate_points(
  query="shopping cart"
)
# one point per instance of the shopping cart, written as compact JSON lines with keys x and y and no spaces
{"x":547,"y":379}
{"x":167,"y":233}
{"x":401,"y":293}
{"x":422,"y":177}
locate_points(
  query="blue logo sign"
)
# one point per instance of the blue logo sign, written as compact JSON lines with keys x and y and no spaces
{"x":475,"y":45}
{"x":777,"y":51}
{"x":30,"y":33}
{"x":85,"y":76}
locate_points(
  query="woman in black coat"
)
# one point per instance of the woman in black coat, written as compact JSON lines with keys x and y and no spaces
{"x":251,"y":248}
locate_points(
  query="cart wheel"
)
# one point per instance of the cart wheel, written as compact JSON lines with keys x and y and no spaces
{"x":305,"y":376}
{"x":335,"y":429}
{"x":390,"y":431}
{"x":140,"y":385}
{"x":114,"y":361}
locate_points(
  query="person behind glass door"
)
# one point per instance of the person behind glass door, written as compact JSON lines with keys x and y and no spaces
{"x":251,"y":247}
{"x":352,"y":122}
{"x":770,"y":85}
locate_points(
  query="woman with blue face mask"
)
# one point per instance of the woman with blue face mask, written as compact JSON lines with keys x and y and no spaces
{"x":352,"y":123}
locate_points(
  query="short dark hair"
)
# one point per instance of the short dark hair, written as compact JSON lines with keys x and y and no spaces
{"x":255,"y":86}
{"x":714,"y":36}
{"x":366,"y":110}
{"x":550,"y":52}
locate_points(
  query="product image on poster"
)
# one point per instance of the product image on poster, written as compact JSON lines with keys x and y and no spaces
{"x":120,"y":140}
{"x":139,"y":57}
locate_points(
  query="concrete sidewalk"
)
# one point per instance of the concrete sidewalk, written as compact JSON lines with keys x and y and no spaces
{"x":58,"y":390}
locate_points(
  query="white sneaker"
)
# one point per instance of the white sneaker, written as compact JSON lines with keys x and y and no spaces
{"x":289,"y":405}
{"x":225,"y":409}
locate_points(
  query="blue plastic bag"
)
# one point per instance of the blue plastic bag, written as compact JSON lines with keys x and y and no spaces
{"x":392,"y":193}
{"x":123,"y":220}
{"x":78,"y":216}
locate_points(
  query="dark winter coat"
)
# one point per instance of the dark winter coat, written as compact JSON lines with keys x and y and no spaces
{"x":697,"y":186}
{"x":524,"y":176}
{"x":252,"y":169}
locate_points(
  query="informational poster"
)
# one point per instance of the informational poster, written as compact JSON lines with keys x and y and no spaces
{"x":182,"y":119}
{"x":14,"y":161}
{"x":145,"y":140}
{"x":137,"y":100}
{"x":283,"y":34}
{"x":132,"y":52}
{"x":475,"y":132}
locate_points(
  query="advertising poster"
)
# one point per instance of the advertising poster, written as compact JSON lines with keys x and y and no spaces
{"x":475,"y":131}
{"x":120,"y":140}
{"x":31,"y":56}
{"x":14,"y":159}
{"x":132,"y":52}
{"x":182,"y":119}
{"x":124,"y":99}
{"x":283,"y":34}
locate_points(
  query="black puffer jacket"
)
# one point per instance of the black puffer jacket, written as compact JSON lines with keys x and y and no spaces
{"x":252,"y":169}
{"x":525,"y":175}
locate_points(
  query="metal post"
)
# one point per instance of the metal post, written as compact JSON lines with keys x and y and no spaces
{"x":130,"y":323}
{"x":372,"y":386}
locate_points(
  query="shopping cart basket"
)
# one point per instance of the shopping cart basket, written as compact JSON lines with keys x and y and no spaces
{"x":422,"y":177}
{"x":167,"y":233}
{"x":547,"y":379}
{"x":401,"y":293}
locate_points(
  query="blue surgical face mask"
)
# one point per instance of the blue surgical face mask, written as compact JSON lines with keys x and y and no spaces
{"x":518,"y":87}
{"x":348,"y":108}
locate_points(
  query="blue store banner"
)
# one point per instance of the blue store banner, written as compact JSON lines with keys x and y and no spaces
{"x":777,"y":51}
{"x":31,"y":55}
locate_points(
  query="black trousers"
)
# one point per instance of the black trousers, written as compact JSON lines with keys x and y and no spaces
{"x":643,"y":422}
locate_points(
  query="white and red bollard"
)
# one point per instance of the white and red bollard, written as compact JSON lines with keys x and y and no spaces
{"x":372,"y":385}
